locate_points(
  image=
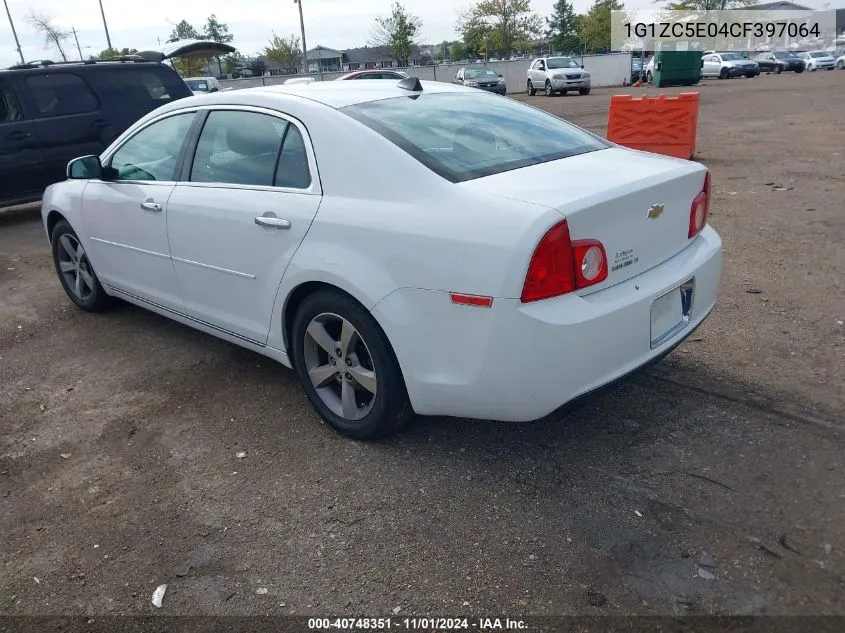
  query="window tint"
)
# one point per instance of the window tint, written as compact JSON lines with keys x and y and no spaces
{"x":293,"y":162}
{"x":9,"y":108}
{"x":476,"y":134}
{"x":239,"y":148}
{"x":58,"y":94}
{"x":151,"y":154}
{"x":143,"y":86}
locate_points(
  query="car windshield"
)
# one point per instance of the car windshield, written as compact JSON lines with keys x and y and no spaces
{"x":636,"y":64}
{"x":476,"y":135}
{"x":197,"y":85}
{"x":562,"y":62}
{"x":784,"y":55}
{"x":478,"y":73}
{"x":818,"y":54}
{"x":729,"y":57}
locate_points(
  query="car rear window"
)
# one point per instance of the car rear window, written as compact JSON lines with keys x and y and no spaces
{"x":144,"y":86}
{"x":462,"y":136}
{"x":59,"y":94}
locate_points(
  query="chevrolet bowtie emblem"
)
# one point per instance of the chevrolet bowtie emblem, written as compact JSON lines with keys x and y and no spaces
{"x":655,"y":210}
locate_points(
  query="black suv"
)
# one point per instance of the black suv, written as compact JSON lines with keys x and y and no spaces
{"x":51,"y":113}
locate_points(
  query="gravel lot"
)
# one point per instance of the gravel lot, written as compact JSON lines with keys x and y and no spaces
{"x":713,"y":483}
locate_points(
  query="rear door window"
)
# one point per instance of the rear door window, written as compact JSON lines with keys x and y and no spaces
{"x":9,"y":107}
{"x":59,"y":94}
{"x":147,"y":88}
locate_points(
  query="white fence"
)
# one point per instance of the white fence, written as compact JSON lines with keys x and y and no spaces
{"x":613,"y":69}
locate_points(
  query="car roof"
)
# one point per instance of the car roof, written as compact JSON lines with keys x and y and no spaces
{"x":53,"y":67}
{"x":339,"y":94}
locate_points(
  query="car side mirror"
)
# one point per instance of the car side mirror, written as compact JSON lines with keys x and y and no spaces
{"x":582,"y":65}
{"x":213,"y":89}
{"x":85,"y":168}
{"x":500,"y":75}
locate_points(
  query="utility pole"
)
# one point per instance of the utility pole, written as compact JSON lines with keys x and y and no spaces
{"x":105,"y":26}
{"x":304,"y":46}
{"x":14,"y":32}
{"x":76,"y":39}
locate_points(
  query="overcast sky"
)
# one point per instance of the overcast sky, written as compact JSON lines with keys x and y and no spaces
{"x":137,"y":23}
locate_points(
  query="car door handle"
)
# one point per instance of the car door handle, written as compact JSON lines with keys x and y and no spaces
{"x":16,"y":135}
{"x":149,"y":205}
{"x":272,"y":221}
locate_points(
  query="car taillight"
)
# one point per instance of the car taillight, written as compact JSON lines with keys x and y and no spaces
{"x":560,"y":265}
{"x":700,"y":209}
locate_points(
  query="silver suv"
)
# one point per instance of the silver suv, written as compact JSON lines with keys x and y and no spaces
{"x":557,"y":74}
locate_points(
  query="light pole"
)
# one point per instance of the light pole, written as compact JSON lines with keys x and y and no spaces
{"x":105,"y":26}
{"x":304,"y":46}
{"x":14,"y":32}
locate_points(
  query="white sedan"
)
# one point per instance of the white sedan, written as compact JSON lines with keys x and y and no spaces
{"x":405,"y":247}
{"x":817,"y":60}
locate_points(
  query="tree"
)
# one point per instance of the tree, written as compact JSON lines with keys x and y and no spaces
{"x":217,"y":32}
{"x":257,"y":66}
{"x":562,"y":27}
{"x":115,"y":52}
{"x":285,"y":51}
{"x":398,"y":32}
{"x":594,"y":31}
{"x":183,"y":31}
{"x":53,"y":34}
{"x":499,"y":25}
{"x":232,"y":61}
{"x":459,"y":51}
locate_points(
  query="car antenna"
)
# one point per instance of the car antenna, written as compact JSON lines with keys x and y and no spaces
{"x":411,"y":83}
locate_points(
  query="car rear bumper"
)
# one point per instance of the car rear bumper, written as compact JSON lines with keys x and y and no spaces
{"x":520,"y":362}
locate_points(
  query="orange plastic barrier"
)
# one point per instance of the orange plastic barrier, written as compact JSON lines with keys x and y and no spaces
{"x":664,"y":125}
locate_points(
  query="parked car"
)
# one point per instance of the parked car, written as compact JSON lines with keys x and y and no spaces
{"x":52,"y":112}
{"x":478,"y":287}
{"x":725,"y":65}
{"x":649,"y":70}
{"x":557,"y":75}
{"x":778,"y":62}
{"x":374,"y":74}
{"x":817,"y":60}
{"x":481,"y":78}
{"x":202,"y":85}
{"x":840,"y":62}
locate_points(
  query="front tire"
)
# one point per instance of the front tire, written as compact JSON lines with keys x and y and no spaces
{"x":778,"y":70}
{"x":75,"y":272}
{"x":724,"y":74}
{"x":347,"y":367}
{"x":531,"y":89}
{"x":550,"y":92}
{"x":584,"y":91}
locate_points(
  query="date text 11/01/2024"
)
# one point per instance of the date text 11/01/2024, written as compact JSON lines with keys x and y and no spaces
{"x":423,"y":624}
{"x":704,"y":30}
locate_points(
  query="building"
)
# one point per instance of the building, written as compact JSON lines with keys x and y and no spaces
{"x":322,"y":59}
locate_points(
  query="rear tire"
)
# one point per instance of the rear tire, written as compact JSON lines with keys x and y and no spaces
{"x":369,"y":414}
{"x":75,"y":272}
{"x":531,"y":89}
{"x":550,"y":92}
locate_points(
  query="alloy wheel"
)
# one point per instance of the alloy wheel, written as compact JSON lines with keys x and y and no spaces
{"x":340,"y":366}
{"x":75,"y":267}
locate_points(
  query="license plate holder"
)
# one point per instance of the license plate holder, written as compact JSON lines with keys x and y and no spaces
{"x":671,"y":311}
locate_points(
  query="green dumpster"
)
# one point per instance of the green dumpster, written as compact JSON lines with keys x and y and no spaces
{"x":677,"y":68}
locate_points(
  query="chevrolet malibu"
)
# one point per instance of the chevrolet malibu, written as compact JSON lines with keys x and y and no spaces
{"x":403,"y":246}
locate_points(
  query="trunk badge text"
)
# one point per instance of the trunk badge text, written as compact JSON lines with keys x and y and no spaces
{"x":655,"y":210}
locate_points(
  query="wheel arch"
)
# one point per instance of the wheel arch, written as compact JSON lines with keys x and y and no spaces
{"x":53,"y":218}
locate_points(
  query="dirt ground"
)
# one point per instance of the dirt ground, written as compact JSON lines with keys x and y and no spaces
{"x":712,"y":483}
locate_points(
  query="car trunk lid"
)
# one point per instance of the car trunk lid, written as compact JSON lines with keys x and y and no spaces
{"x":637,"y":204}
